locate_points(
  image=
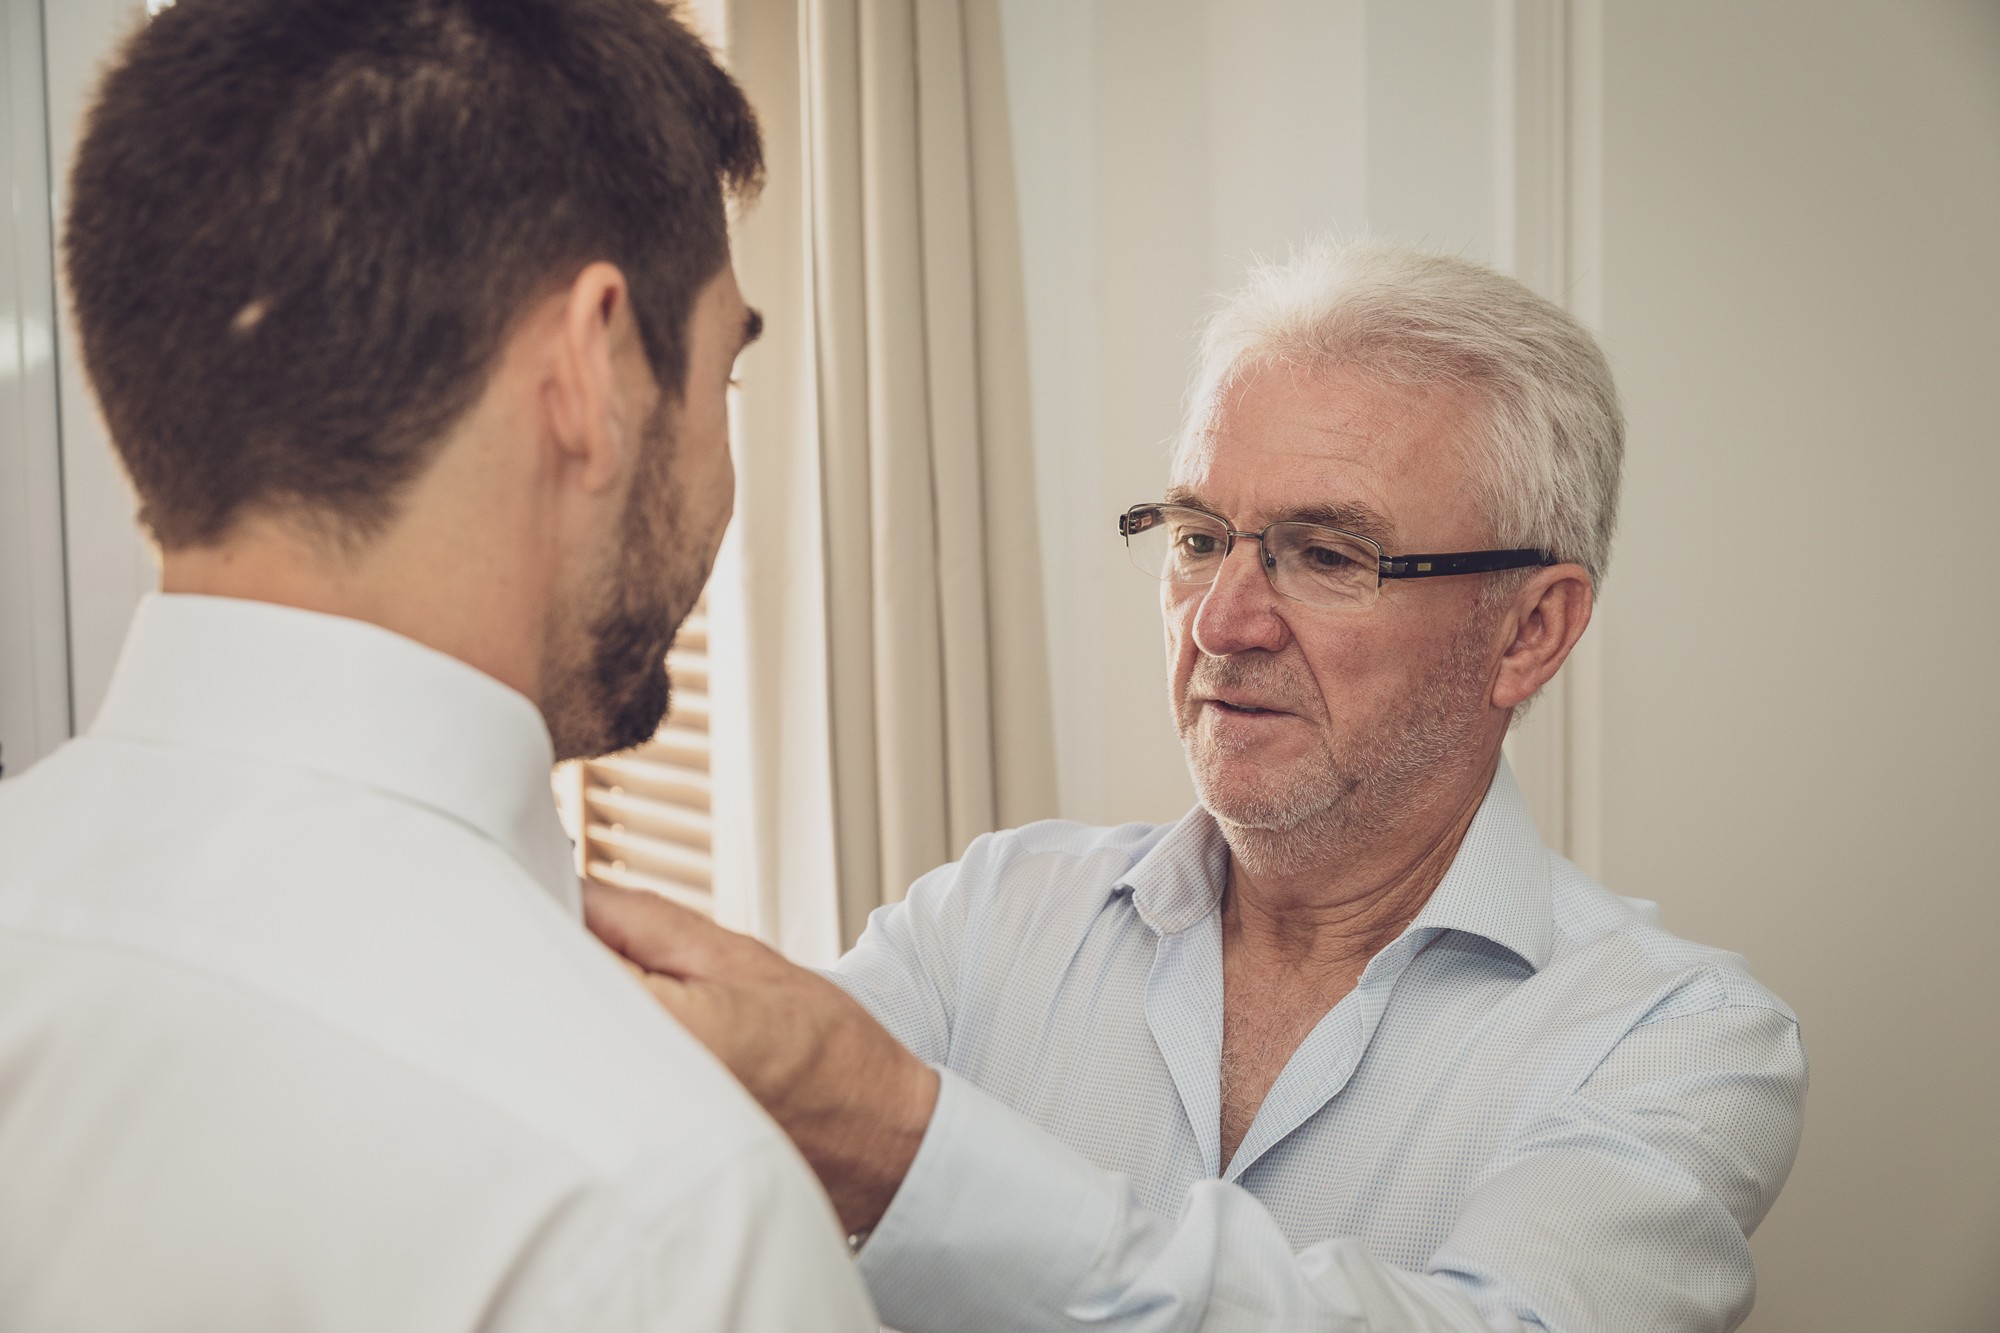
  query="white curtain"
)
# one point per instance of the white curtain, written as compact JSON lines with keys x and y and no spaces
{"x":884,"y":671}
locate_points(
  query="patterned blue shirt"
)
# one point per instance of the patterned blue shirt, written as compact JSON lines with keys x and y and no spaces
{"x":1537,"y":1109}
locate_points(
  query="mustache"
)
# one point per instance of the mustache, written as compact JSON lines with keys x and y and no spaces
{"x":1249,"y":674}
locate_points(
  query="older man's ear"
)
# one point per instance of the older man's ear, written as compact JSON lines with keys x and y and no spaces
{"x":1547,"y":617}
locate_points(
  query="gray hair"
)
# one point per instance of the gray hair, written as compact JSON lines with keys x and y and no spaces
{"x":1546,"y":471}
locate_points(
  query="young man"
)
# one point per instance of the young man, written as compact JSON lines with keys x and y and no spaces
{"x":412,"y":321}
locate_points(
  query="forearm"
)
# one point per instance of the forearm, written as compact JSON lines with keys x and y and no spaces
{"x":863,"y":1156}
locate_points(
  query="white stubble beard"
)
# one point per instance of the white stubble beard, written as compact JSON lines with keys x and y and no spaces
{"x":1288,"y":821}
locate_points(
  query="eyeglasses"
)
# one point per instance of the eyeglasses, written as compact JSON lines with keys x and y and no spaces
{"x":1305,"y":562}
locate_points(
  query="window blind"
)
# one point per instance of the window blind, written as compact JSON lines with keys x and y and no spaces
{"x":641,"y":818}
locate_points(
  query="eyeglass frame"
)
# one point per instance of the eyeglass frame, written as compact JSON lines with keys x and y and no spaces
{"x":1427,"y":566}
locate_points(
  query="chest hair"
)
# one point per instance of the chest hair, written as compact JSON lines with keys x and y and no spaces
{"x":1263,"y":1021}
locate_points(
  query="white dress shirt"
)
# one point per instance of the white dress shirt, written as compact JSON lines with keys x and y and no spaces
{"x":1536,"y":1110}
{"x":299,"y":1028}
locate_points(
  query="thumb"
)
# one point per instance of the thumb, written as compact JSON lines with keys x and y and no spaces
{"x":658,"y":935}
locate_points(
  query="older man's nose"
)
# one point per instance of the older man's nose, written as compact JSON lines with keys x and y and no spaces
{"x":1240,"y":609}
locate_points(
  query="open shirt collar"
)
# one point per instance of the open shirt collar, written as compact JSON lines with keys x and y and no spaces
{"x":1497,"y":887}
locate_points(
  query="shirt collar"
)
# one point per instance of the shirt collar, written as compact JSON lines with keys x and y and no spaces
{"x":1180,"y":880}
{"x":1498,"y":884}
{"x":349,"y":700}
{"x":1497,"y":887}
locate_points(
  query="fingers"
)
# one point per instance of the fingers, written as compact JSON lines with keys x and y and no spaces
{"x":674,"y":995}
{"x":691,"y":1008}
{"x":658,"y":935}
{"x":630,"y":966}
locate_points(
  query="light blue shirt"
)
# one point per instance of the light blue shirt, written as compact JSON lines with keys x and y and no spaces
{"x":1537,"y":1109}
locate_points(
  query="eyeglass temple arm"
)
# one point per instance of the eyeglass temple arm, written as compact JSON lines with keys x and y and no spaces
{"x":1461,"y":562}
{"x":1141,"y":517}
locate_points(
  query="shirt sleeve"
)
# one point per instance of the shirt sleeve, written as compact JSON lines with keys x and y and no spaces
{"x":1000,"y":1226}
{"x":905,"y":968}
{"x":1629,"y":1203}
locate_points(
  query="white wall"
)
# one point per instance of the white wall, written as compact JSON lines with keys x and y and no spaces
{"x":1785,"y":217}
{"x":1802,"y":274}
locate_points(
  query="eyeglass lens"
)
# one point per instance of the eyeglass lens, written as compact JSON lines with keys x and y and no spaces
{"x":1304,"y":561}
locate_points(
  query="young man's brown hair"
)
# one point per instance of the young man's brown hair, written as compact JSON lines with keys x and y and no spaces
{"x":299,"y":230}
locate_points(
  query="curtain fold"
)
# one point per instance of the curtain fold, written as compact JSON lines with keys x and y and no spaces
{"x":888,"y":422}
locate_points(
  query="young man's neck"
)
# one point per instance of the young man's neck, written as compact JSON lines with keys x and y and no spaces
{"x":402,"y":581}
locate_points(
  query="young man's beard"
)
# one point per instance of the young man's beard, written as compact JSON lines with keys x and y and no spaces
{"x":606,"y":686}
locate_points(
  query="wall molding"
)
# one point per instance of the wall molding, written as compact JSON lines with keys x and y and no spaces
{"x":1548,"y":153}
{"x":108,"y":563}
{"x":35,"y":714}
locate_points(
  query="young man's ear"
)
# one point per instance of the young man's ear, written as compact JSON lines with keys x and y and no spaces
{"x":1550,"y":614}
{"x":587,"y":413}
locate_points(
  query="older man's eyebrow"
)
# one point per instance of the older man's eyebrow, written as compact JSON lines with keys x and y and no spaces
{"x":1348,"y":516}
{"x":753,"y":326}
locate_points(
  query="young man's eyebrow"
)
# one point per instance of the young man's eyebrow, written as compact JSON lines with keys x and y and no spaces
{"x":753,"y":325}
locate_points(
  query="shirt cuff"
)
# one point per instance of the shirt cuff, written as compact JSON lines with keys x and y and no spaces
{"x":994,"y":1227}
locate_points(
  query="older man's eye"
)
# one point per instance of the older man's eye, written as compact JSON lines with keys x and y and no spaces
{"x":1193,"y":545}
{"x":1328,"y":558}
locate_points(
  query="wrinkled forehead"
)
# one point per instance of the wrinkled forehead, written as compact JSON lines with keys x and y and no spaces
{"x":1338,"y":445}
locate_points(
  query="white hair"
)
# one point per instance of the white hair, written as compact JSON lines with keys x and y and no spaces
{"x":1546,"y":471}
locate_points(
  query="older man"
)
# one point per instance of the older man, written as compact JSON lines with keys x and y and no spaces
{"x":1347,"y":1047}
